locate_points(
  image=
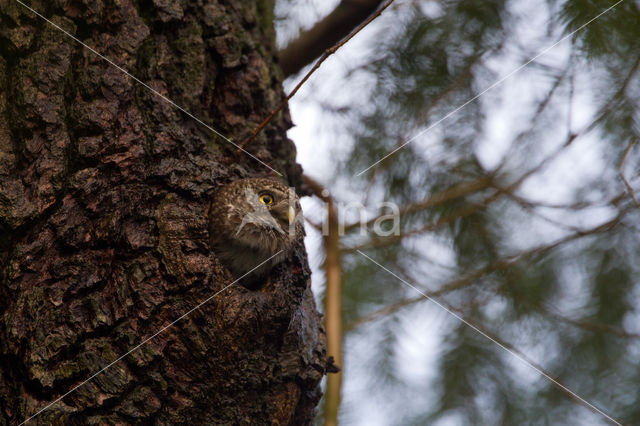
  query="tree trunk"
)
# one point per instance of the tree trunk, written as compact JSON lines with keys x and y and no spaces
{"x":104,"y":189}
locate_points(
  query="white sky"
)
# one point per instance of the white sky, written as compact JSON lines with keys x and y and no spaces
{"x":510,"y":106}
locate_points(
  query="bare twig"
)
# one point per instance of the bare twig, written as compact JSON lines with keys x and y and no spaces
{"x":531,"y":204}
{"x":328,"y":31}
{"x":542,"y":107}
{"x":611,"y":104}
{"x":592,"y":326}
{"x":330,"y":51}
{"x":472,"y":208}
{"x":630,"y":190}
{"x":519,"y":354}
{"x":315,"y":225}
{"x":491,"y":87}
{"x":457,"y":214}
{"x":498,"y":265}
{"x":457,"y":191}
{"x":463,"y":76}
{"x":498,"y":342}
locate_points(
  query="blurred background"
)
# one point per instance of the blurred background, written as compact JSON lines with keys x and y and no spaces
{"x":519,"y":211}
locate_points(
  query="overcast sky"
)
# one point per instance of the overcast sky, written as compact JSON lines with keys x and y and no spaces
{"x":510,"y":106}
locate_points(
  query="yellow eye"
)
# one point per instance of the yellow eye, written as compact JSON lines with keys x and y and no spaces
{"x":266,"y":199}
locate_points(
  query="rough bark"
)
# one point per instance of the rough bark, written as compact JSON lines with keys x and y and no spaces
{"x":324,"y":34}
{"x":104,"y":191}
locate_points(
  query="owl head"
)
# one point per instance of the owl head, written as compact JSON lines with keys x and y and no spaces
{"x":270,"y":209}
{"x":252,"y":220}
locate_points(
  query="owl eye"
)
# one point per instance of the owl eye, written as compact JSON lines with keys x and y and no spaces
{"x":266,"y":199}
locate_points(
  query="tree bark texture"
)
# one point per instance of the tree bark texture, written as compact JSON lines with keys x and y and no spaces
{"x":104,"y":190}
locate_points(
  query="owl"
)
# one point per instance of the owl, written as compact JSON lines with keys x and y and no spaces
{"x":252,"y":221}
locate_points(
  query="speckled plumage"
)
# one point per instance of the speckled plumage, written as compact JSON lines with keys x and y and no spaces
{"x":245,"y":232}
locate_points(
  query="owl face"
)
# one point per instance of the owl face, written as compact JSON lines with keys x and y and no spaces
{"x":252,"y":220}
{"x":268,"y":210}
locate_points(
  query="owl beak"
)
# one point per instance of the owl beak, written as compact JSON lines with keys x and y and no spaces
{"x":291,"y":214}
{"x":284,"y":214}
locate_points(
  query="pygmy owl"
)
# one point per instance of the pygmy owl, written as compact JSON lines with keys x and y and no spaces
{"x":252,"y":220}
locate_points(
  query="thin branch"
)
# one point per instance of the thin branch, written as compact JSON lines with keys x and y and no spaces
{"x":460,"y":79}
{"x":532,"y":204}
{"x":330,"y":51}
{"x":464,"y":190}
{"x":457,"y":214}
{"x":313,"y":224}
{"x":472,"y":277}
{"x":531,"y":207}
{"x":614,"y":100}
{"x":542,"y":107}
{"x":592,"y":326}
{"x":519,"y":354}
{"x":630,"y":190}
{"x":457,"y":191}
{"x":506,"y":190}
{"x":328,"y":31}
{"x":472,"y":208}
{"x":571,"y":137}
{"x":572,"y":84}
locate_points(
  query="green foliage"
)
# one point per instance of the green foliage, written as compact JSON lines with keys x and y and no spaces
{"x":613,"y":36}
{"x":526,"y":256}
